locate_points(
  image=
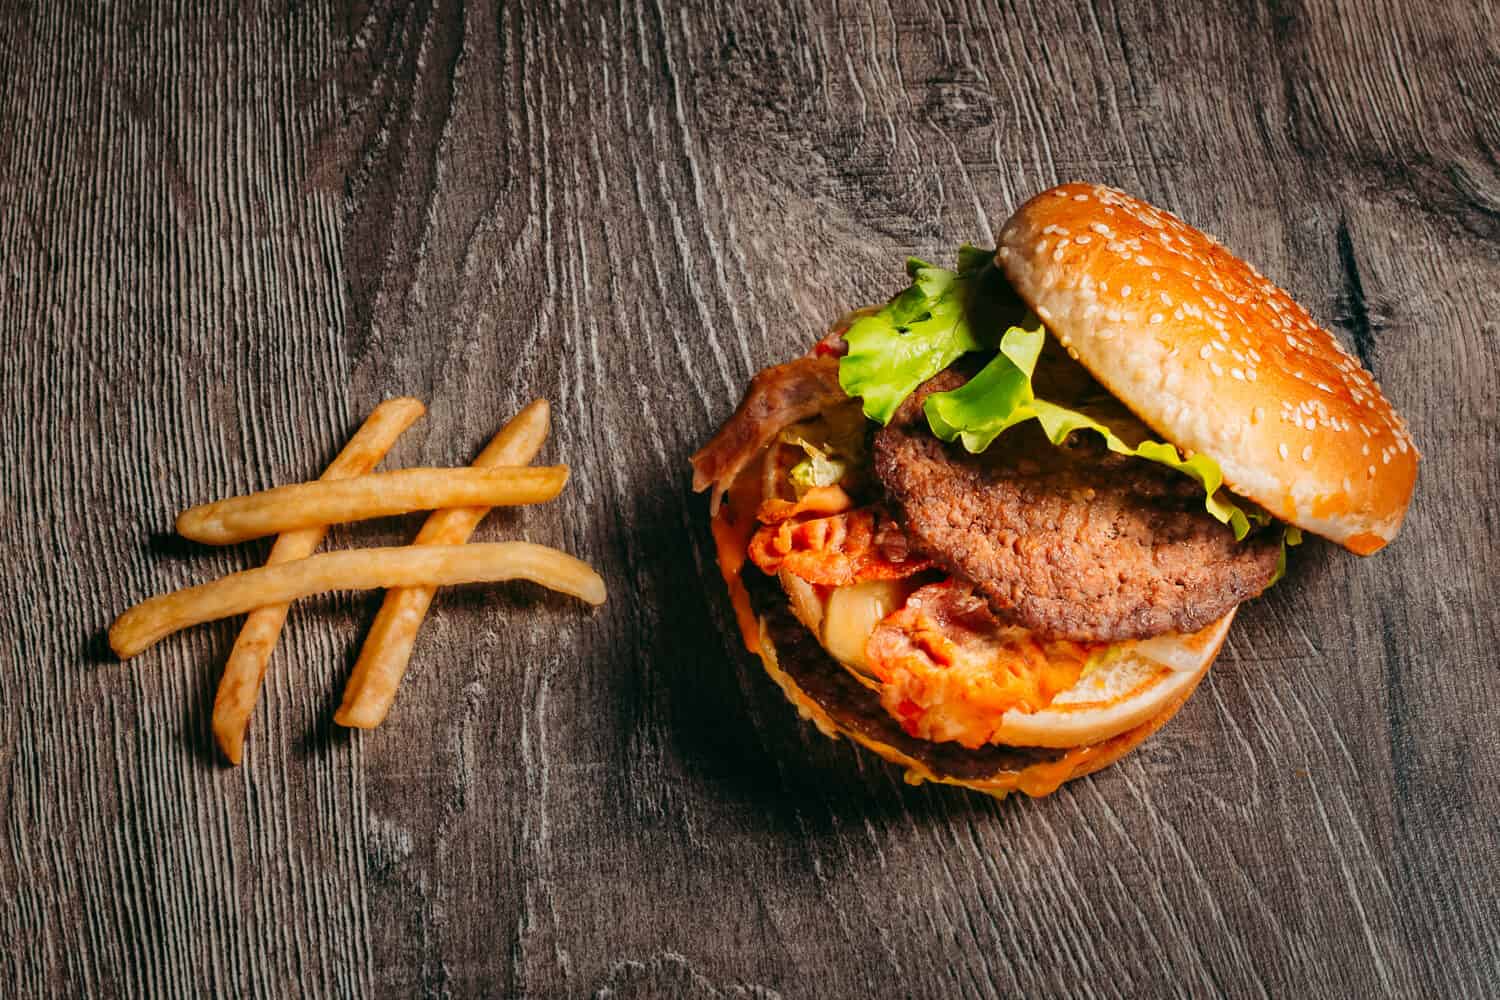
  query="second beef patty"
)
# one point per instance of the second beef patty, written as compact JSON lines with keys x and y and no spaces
{"x":1071,"y":541}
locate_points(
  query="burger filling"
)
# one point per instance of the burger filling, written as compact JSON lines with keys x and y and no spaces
{"x":960,"y":543}
{"x":1072,"y":540}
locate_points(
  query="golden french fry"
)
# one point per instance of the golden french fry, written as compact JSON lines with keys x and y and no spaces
{"x":239,"y":688}
{"x":387,"y":650}
{"x":381,"y":494}
{"x":359,"y":569}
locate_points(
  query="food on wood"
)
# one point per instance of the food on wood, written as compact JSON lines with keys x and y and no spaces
{"x":360,"y":569}
{"x":387,"y":650}
{"x":306,"y":505}
{"x":1071,"y":459}
{"x":411,"y":574}
{"x":239,"y":687}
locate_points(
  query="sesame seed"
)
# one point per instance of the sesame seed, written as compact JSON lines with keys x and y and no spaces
{"x":1237,"y":373}
{"x":1250,"y":374}
{"x":1307,"y":453}
{"x":1281,"y":449}
{"x":1371,"y":471}
{"x":1204,"y":352}
{"x":1258,"y":414}
{"x":1156,"y":318}
{"x":1125,"y":292}
{"x":1213,"y":366}
{"x":1083,"y":239}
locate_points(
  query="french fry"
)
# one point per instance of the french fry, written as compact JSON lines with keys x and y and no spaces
{"x":381,"y":494}
{"x":144,"y":625}
{"x":239,"y":688}
{"x":387,"y":650}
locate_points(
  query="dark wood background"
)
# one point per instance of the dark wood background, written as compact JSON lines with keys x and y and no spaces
{"x":228,"y":231}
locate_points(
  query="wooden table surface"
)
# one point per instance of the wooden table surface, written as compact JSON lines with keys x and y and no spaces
{"x":228,"y":231}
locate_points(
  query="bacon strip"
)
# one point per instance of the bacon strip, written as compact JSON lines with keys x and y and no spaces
{"x":778,"y":397}
{"x":950,"y":670}
{"x":832,"y":551}
{"x":818,"y":500}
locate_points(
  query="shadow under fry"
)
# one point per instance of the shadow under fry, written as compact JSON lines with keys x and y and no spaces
{"x":197,"y":734}
{"x":96,"y":650}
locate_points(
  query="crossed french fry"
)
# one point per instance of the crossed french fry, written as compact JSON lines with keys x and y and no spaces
{"x":349,"y":491}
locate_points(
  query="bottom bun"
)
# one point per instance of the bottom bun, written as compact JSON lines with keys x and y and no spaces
{"x":828,"y":695}
{"x":1121,"y":694}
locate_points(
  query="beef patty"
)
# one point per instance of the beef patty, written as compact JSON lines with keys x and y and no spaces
{"x":1071,"y":541}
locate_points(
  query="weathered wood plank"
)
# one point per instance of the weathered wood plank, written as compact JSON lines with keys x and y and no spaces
{"x":229,"y":233}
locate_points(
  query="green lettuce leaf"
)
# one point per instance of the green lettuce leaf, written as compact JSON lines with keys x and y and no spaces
{"x":1291,"y":536}
{"x":915,"y":335}
{"x":834,"y":446}
{"x":821,"y":467}
{"x":926,"y":328}
{"x":1001,"y":396}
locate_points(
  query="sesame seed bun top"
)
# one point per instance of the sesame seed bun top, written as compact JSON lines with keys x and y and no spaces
{"x":1215,"y":358}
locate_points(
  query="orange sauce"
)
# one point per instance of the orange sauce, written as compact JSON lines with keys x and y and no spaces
{"x":732,"y":527}
{"x":1044,"y":779}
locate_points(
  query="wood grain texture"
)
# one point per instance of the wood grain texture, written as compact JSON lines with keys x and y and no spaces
{"x":228,"y":231}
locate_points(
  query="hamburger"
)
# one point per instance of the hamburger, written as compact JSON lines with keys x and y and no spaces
{"x":996,"y":529}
